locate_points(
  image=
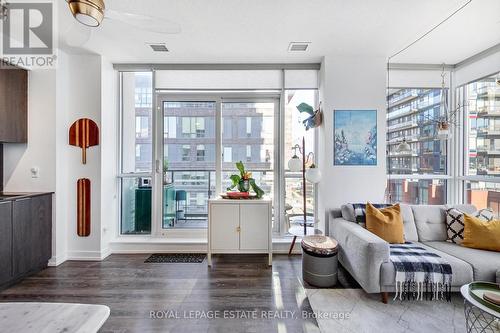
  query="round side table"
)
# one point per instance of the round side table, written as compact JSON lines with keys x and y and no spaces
{"x":319,"y":260}
{"x":478,"y":317}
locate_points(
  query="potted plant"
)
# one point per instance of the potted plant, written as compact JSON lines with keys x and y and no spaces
{"x":244,"y":181}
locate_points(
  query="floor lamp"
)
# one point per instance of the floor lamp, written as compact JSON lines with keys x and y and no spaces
{"x":312,"y":174}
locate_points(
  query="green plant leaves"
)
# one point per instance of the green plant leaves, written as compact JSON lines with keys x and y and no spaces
{"x":240,"y":167}
{"x":304,"y":107}
{"x":235,"y":181}
{"x":256,"y":188}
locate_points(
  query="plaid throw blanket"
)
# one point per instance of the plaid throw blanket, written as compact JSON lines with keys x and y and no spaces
{"x":420,"y":272}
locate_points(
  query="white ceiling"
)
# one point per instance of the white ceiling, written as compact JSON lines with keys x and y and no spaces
{"x":242,"y":31}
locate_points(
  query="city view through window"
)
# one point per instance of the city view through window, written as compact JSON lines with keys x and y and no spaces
{"x":411,"y":116}
{"x":189,"y":153}
{"x":482,"y":110}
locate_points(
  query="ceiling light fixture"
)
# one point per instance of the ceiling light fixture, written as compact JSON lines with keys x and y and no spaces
{"x":87,"y":12}
{"x":3,"y":10}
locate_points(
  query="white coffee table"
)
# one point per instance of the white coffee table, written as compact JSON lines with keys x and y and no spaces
{"x":478,"y":317}
{"x":52,"y":317}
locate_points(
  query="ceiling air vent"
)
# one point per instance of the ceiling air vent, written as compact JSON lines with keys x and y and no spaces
{"x":158,"y":47}
{"x":298,"y":46}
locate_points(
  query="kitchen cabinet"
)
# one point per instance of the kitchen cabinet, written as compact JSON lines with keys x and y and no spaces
{"x":13,"y":105}
{"x":25,"y":236}
{"x":5,"y":242}
{"x":239,"y":226}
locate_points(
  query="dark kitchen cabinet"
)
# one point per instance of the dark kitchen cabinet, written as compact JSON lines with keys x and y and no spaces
{"x":29,"y":236}
{"x":5,"y":242}
{"x":13,"y":105}
{"x":22,"y":235}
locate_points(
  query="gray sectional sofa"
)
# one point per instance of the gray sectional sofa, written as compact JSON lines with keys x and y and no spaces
{"x":366,"y":256}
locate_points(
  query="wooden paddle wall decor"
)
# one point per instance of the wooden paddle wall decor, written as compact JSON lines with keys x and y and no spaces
{"x":84,"y":133}
{"x":83,"y":207}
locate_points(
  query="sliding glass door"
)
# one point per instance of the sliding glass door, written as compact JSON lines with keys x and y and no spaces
{"x":188,"y":162}
{"x":202,"y":138}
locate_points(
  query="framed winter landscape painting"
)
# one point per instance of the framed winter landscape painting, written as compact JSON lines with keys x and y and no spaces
{"x":355,"y":137}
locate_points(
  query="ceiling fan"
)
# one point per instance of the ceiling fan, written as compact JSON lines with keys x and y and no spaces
{"x":3,"y":10}
{"x":91,"y":14}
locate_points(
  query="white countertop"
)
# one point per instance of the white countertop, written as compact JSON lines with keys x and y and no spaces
{"x":52,"y":317}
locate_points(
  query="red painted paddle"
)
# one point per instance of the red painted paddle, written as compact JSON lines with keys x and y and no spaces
{"x":83,"y":207}
{"x":84,"y":133}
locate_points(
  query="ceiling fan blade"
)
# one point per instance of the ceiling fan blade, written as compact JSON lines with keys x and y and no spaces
{"x":77,"y":35}
{"x":143,"y":22}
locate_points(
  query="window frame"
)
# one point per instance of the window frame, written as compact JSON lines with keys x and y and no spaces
{"x":158,"y":135}
{"x":462,"y":152}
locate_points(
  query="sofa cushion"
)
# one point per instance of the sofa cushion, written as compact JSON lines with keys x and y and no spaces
{"x":485,"y":264}
{"x":348,"y":212}
{"x":386,"y":223}
{"x":409,"y":223}
{"x":406,"y":213}
{"x":429,"y":220}
{"x":357,"y":212}
{"x":462,"y":271}
{"x":455,"y":223}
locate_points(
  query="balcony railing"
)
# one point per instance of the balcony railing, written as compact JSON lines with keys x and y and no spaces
{"x":400,"y":126}
{"x":406,"y":96}
{"x":483,"y":131}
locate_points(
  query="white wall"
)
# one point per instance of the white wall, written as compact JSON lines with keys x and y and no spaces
{"x":83,"y":93}
{"x":56,"y":99}
{"x":109,"y":144}
{"x":40,"y":150}
{"x":351,"y":83}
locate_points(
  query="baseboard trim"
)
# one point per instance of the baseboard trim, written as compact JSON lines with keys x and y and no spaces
{"x":89,"y":255}
{"x":145,"y":248}
{"x":140,"y":248}
{"x":56,"y":261}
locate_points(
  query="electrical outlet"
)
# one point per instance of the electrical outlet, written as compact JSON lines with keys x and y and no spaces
{"x":35,"y":172}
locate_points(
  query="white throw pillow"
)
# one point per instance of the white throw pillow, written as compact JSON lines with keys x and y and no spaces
{"x":455,"y":223}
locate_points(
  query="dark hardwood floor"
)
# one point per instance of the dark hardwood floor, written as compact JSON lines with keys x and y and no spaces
{"x":132,"y":289}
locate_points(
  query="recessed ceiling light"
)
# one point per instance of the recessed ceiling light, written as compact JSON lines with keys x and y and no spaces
{"x":158,"y":47}
{"x":298,"y":46}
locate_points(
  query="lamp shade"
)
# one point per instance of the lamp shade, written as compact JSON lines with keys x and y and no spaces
{"x":295,"y":164}
{"x":313,"y":174}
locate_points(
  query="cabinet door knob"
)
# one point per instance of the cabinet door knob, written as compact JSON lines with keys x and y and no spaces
{"x":238,"y":229}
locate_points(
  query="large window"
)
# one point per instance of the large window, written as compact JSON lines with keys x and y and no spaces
{"x":481,"y":108}
{"x":294,"y":131}
{"x":136,"y":152}
{"x":412,"y":116}
{"x":182,"y":131}
{"x":188,"y":177}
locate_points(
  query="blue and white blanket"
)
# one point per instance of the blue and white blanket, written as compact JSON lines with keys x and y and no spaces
{"x":420,"y":272}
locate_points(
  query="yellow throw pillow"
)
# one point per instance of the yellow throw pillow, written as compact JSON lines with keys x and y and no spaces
{"x":480,"y":234}
{"x":386,"y":223}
